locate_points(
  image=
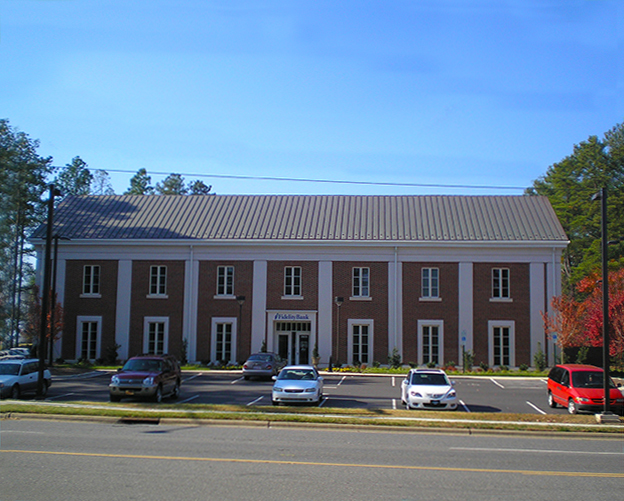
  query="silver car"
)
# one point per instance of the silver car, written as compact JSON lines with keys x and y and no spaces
{"x":428,"y":389}
{"x":297,"y":384}
{"x":263,"y":365}
{"x":19,"y":376}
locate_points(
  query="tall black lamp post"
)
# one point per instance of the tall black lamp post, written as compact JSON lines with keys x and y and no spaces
{"x":45,"y":290}
{"x":338,"y":301}
{"x":602,"y":196}
{"x":241,"y":301}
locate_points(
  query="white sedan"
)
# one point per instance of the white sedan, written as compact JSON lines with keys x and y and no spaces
{"x":21,"y":376}
{"x":428,"y":389}
{"x":297,"y":384}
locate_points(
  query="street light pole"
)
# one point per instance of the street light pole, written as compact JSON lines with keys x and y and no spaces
{"x":338,"y":301}
{"x":241,"y":301}
{"x":602,"y":196}
{"x":45,"y":291}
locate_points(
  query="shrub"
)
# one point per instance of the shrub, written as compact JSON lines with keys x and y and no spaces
{"x":394,"y":359}
{"x":524,"y":367}
{"x":539,"y":359}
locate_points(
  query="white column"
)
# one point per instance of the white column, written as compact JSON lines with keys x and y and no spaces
{"x":124,"y":295}
{"x":191,"y":293}
{"x":537,"y":302}
{"x":258,"y":307}
{"x":466,"y":309}
{"x":325,"y":309}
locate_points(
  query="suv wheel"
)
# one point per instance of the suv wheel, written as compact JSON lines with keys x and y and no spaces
{"x":158,"y":395}
{"x":15,"y":392}
{"x":572,"y":407}
{"x":551,"y":400}
{"x":176,"y":391}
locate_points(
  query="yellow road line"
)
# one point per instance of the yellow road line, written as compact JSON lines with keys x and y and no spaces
{"x":312,"y":463}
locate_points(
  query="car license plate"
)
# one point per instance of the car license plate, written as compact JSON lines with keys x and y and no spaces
{"x":435,"y":402}
{"x":129,"y":392}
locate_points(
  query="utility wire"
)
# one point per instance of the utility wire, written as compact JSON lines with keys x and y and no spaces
{"x":329,"y":181}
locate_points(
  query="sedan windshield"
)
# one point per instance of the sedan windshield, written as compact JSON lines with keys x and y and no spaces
{"x":429,"y":379}
{"x":297,"y":374}
{"x":9,"y":369}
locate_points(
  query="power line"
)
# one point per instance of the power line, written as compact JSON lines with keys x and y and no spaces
{"x":329,"y":181}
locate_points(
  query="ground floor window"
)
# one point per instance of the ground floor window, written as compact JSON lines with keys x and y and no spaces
{"x":360,"y":342}
{"x":430,"y":342}
{"x":88,"y":339}
{"x":501,"y":343}
{"x":223,"y":340}
{"x":155,"y":336}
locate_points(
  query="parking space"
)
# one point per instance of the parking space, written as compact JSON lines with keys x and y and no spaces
{"x":476,"y":394}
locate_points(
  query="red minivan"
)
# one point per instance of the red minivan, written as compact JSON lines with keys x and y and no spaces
{"x":581,"y":388}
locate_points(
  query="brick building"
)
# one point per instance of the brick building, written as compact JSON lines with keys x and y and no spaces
{"x":220,"y":276}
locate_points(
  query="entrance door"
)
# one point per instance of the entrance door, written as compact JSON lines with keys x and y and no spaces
{"x":303,"y":352}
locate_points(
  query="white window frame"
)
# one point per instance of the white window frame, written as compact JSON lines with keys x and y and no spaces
{"x":370,"y":324}
{"x":147,"y":321}
{"x":439,"y":324}
{"x":80,"y":320}
{"x":225,"y":281}
{"x":502,"y":324}
{"x":158,"y":287}
{"x":429,"y":292}
{"x":291,"y":288}
{"x":501,"y":285}
{"x":216,"y":321}
{"x":91,"y":286}
{"x":360,"y":282}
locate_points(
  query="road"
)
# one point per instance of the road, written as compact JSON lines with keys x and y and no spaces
{"x":477,"y":394}
{"x":48,"y":460}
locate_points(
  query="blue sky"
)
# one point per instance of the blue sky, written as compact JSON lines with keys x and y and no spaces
{"x":409,"y":93}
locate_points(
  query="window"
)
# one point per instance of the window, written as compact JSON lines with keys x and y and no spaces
{"x":155,"y":342}
{"x":360,"y":346}
{"x":500,"y":283}
{"x":501,"y":343}
{"x":292,"y":281}
{"x":158,"y":280}
{"x":88,"y":350}
{"x":91,"y":280}
{"x":430,"y":283}
{"x":361,"y":282}
{"x":88,"y":337}
{"x":223,"y":346}
{"x":431,"y":342}
{"x":225,"y":281}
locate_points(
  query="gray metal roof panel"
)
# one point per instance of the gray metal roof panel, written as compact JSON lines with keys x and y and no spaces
{"x":308,"y":217}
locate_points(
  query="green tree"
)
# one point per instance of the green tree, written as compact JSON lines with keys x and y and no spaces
{"x":570,"y":185}
{"x":199,"y":188}
{"x":23,"y":175}
{"x":140,"y":184}
{"x":75,"y":178}
{"x":101,"y":184}
{"x":173,"y":184}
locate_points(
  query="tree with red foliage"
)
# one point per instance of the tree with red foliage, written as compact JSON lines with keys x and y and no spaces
{"x":33,"y":318}
{"x":579,"y":322}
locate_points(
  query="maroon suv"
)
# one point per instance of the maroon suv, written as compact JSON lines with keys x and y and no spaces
{"x":147,"y":376}
{"x":581,"y":388}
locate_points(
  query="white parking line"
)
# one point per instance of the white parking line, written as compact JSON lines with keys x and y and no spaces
{"x":237,"y":380}
{"x":60,"y":396}
{"x":255,"y":401}
{"x":464,"y":406}
{"x":536,"y":408}
{"x":393,"y":383}
{"x":497,"y":383}
{"x":323,"y":400}
{"x":394,"y":403}
{"x":192,"y":377}
{"x":188,"y":399}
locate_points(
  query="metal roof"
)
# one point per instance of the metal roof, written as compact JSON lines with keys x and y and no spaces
{"x":308,"y":218}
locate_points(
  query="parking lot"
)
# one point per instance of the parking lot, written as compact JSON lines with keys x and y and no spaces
{"x":476,"y":394}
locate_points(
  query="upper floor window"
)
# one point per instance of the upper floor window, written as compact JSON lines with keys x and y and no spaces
{"x":225,"y":281}
{"x":158,"y":280}
{"x":91,"y":280}
{"x":430,"y":283}
{"x":292,"y":281}
{"x":500,"y":283}
{"x":361,"y":281}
